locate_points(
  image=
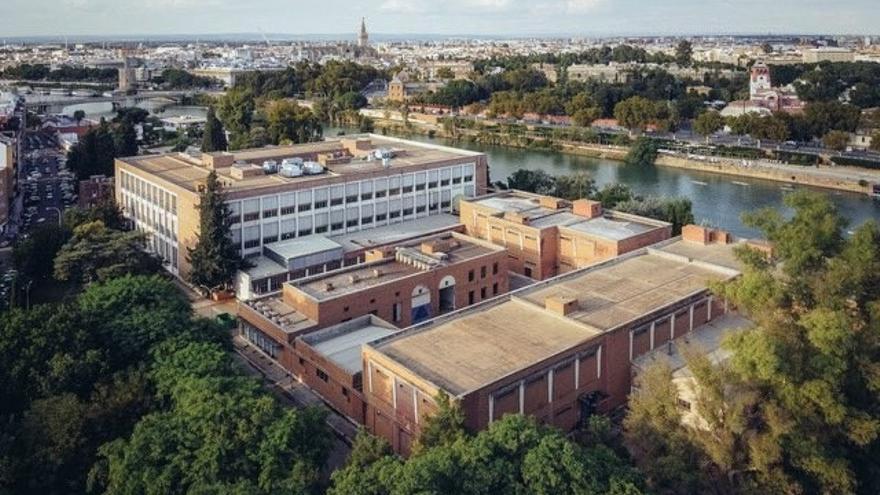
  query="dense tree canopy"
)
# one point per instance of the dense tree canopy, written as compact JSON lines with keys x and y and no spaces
{"x":795,"y":409}
{"x":514,"y":455}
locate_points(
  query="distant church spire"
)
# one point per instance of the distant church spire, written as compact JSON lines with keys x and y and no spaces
{"x":364,"y":38}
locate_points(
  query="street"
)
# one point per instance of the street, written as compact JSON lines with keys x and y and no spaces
{"x":47,"y":187}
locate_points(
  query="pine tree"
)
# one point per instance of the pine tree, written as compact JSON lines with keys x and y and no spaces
{"x":214,"y":259}
{"x":215,"y":136}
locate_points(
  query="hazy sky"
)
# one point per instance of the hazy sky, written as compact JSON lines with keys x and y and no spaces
{"x":485,"y":17}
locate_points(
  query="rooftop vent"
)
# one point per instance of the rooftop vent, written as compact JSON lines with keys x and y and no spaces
{"x":561,"y":305}
{"x":329,"y":287}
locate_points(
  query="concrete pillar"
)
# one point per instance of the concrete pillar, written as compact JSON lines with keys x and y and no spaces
{"x":491,"y":408}
{"x":577,"y":372}
{"x":691,"y":326}
{"x":394,"y":392}
{"x":630,"y":345}
{"x":522,"y":397}
{"x":709,"y":308}
{"x":599,"y":362}
{"x":550,"y":386}
{"x":653,"y":326}
{"x":370,"y":376}
{"x":672,"y":326}
{"x":416,"y":404}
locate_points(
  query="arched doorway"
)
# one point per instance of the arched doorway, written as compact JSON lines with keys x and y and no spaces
{"x":420,"y":304}
{"x":447,"y":294}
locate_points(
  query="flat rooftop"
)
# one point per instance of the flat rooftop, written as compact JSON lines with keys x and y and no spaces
{"x":623,"y":290}
{"x":188,"y":171}
{"x":707,"y":340}
{"x":283,"y":315}
{"x":466,"y":353}
{"x":407,"y":260}
{"x":610,"y":225}
{"x":398,"y":232}
{"x":342,"y":343}
{"x":482,"y":344}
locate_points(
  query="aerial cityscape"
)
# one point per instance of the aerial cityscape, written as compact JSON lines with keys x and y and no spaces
{"x":454,"y":247}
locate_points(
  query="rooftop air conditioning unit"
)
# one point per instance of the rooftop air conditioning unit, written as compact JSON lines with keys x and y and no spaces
{"x":270,"y":167}
{"x":312,"y":168}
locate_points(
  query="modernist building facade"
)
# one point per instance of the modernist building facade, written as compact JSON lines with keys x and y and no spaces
{"x":547,"y":236}
{"x":559,"y":350}
{"x":364,"y":182}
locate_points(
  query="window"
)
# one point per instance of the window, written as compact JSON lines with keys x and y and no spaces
{"x":351,"y":223}
{"x":321,"y":229}
{"x":407,"y":211}
{"x":288,"y":210}
{"x":366,"y":220}
{"x":482,"y":293}
{"x":394,"y":191}
{"x":249,"y":217}
{"x":320,"y":204}
{"x":302,"y":362}
{"x":394,"y":214}
{"x":323,"y":376}
{"x":396,"y":311}
{"x":305,"y":206}
{"x":381,"y":217}
{"x":470,"y":297}
{"x":305,"y":232}
{"x":252,"y":244}
{"x":495,"y":268}
{"x":471,"y":276}
{"x":495,"y":289}
{"x":528,"y":272}
{"x":420,"y":209}
{"x":381,"y":194}
{"x":482,"y":272}
{"x":336,"y":201}
{"x":407,"y":189}
{"x":336,"y":226}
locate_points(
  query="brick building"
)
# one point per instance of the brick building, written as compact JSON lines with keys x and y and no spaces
{"x":94,"y":190}
{"x":547,"y":236}
{"x":329,"y":188}
{"x":404,"y":284}
{"x":559,"y":350}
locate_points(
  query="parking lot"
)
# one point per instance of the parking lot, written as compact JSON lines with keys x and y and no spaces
{"x":47,"y":186}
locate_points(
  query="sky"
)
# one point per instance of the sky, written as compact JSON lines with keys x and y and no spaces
{"x":445,"y":17}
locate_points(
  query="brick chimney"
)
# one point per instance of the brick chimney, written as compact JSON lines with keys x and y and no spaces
{"x":705,"y":235}
{"x":552,"y":203}
{"x":561,"y":305}
{"x":587,"y":208}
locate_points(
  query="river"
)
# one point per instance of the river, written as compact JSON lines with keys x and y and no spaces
{"x":718,"y":200}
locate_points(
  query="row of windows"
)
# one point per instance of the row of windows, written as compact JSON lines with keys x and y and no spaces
{"x":149,"y":192}
{"x":321,"y":223}
{"x":483,"y":271}
{"x":349,"y":194}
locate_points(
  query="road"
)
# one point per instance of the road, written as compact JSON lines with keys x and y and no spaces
{"x":47,"y":188}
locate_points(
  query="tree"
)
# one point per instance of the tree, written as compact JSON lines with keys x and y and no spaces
{"x":638,"y":112}
{"x":96,"y":253}
{"x":642,"y":153}
{"x":34,"y":255}
{"x":125,"y":140}
{"x":214,"y":138}
{"x":214,"y":259}
{"x":444,"y":426}
{"x":575,"y":186}
{"x":94,"y":153}
{"x":445,"y":73}
{"x":836,"y":140}
{"x":536,"y":181}
{"x":684,"y":52}
{"x":514,"y":455}
{"x":653,"y":430}
{"x":289,"y":122}
{"x":708,"y":123}
{"x":875,"y":141}
{"x":106,"y":210}
{"x":271,"y":449}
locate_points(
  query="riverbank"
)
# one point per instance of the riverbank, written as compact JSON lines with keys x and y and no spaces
{"x":839,"y":178}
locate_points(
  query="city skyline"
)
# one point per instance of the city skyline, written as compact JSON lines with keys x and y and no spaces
{"x":511,"y":18}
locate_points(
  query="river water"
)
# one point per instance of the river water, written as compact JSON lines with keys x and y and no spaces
{"x":718,"y":199}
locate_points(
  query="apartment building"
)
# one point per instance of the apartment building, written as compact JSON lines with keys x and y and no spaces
{"x":328,"y":188}
{"x":559,"y":350}
{"x":547,"y":236}
{"x":7,"y":179}
{"x":402,"y":284}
